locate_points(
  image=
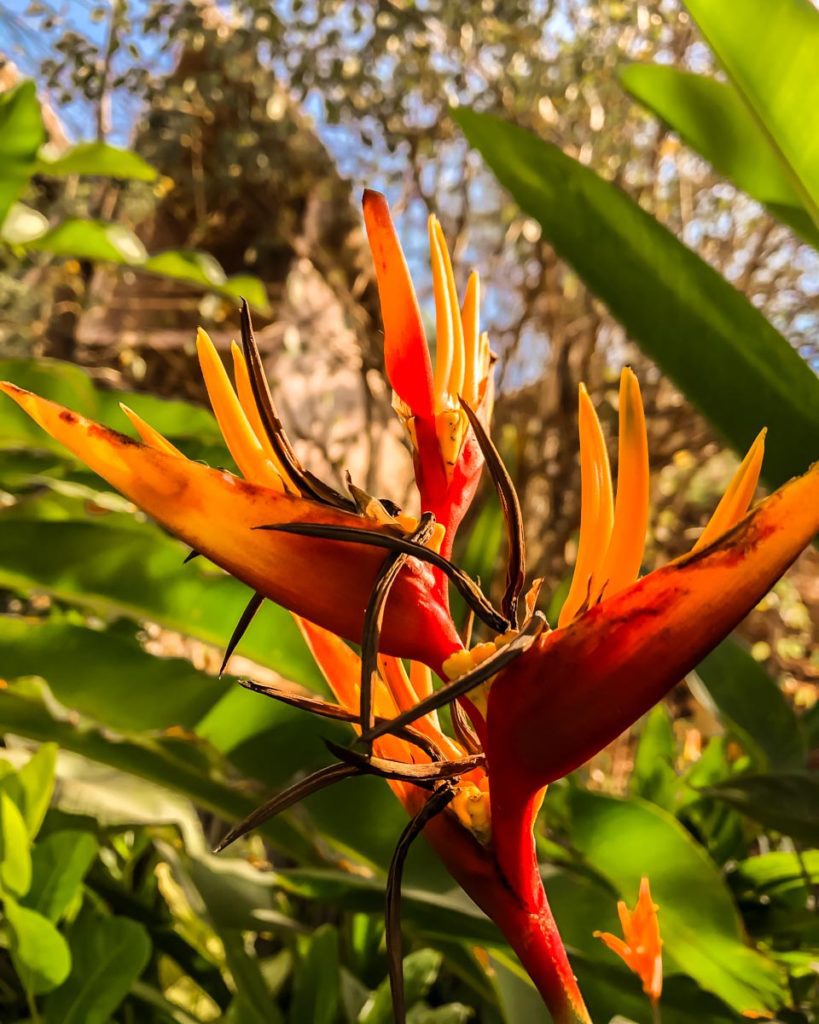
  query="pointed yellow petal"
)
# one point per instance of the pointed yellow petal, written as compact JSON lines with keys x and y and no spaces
{"x":456,"y":373}
{"x":244,"y":392}
{"x":216,"y":513}
{"x":738,"y":497}
{"x":150,"y":436}
{"x":596,"y":511}
{"x":622,"y":563}
{"x":445,"y":341}
{"x":243,"y":444}
{"x":470,"y":321}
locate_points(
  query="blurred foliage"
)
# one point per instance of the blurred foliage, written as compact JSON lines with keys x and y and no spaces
{"x":125,"y":757}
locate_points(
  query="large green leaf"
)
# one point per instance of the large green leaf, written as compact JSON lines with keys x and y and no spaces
{"x":753,"y":706}
{"x":700,"y":925}
{"x":21,"y":135}
{"x":317,"y":979}
{"x":108,"y":676}
{"x":31,"y":786}
{"x":781,"y":90}
{"x":15,"y":850}
{"x":60,"y":863}
{"x":420,"y":971}
{"x":785,"y":801}
{"x":99,"y":159}
{"x":39,"y":953}
{"x":712,"y":118}
{"x":701,"y":332}
{"x":108,"y":954}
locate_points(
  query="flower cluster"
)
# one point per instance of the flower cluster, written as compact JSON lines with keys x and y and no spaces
{"x":533,"y":700}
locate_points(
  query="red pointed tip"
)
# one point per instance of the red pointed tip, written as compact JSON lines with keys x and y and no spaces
{"x":406,"y":354}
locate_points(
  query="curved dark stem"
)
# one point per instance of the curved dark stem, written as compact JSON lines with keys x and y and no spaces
{"x":462,"y":727}
{"x":459,"y":687}
{"x":308,"y":484}
{"x":436,"y":803}
{"x":193,"y":553}
{"x":513,"y":517}
{"x":425,"y":775}
{"x":292,"y":795}
{"x":374,"y":617}
{"x":466,"y":587}
{"x":326,"y":709}
{"x":253,"y":605}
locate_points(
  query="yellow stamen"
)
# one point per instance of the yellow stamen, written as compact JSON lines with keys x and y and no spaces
{"x":470,"y":321}
{"x":738,"y":497}
{"x":471,"y":806}
{"x":244,"y":391}
{"x":443,"y":320}
{"x":243,"y":444}
{"x":456,"y":375}
{"x":596,"y":510}
{"x":149,"y":435}
{"x":621,"y":566}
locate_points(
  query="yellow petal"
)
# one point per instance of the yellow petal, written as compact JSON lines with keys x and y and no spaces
{"x":444,"y":341}
{"x":738,"y":497}
{"x":470,"y":321}
{"x":456,"y":373}
{"x":150,"y":436}
{"x":243,"y":444}
{"x":596,"y":511}
{"x":622,"y":563}
{"x":244,"y":391}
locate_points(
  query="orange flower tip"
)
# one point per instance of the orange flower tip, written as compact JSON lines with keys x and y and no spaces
{"x":13,"y":391}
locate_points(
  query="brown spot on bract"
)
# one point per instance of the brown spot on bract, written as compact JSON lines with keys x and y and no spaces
{"x":67,"y":416}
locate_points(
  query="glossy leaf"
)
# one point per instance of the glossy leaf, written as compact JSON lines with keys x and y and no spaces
{"x":653,"y":776}
{"x":98,"y":159}
{"x":785,"y":802}
{"x":781,"y":91}
{"x":22,"y":225}
{"x":713,"y":119}
{"x":702,"y":333}
{"x":15,"y":853}
{"x":701,"y":928}
{"x":752,"y":705}
{"x":420,"y":972}
{"x":21,"y":135}
{"x":92,"y":240}
{"x":108,"y":954}
{"x":60,"y":862}
{"x":39,"y":952}
{"x":32,"y":785}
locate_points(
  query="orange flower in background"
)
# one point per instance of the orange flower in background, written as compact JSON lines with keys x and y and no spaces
{"x":641,"y":947}
{"x":529,"y":703}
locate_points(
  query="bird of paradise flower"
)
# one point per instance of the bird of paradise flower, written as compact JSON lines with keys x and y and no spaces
{"x":528,"y":706}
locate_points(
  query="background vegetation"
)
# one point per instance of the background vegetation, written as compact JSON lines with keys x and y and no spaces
{"x":159,"y":159}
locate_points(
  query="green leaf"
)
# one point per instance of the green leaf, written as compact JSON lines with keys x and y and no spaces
{"x":108,"y":676}
{"x":98,"y":159}
{"x":785,"y":802}
{"x":92,"y":240}
{"x":22,"y":225}
{"x":253,"y":1003}
{"x":701,"y":928}
{"x":420,"y":972}
{"x":108,"y":954}
{"x":188,"y":265}
{"x":700,"y":331}
{"x":781,"y":91}
{"x":653,"y":776}
{"x":712,"y":118}
{"x":15,"y":852}
{"x":60,"y":863}
{"x":246,"y":286}
{"x":753,"y":707}
{"x":40,"y":954}
{"x":31,"y":787}
{"x":21,"y":135}
{"x":316,"y":979}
